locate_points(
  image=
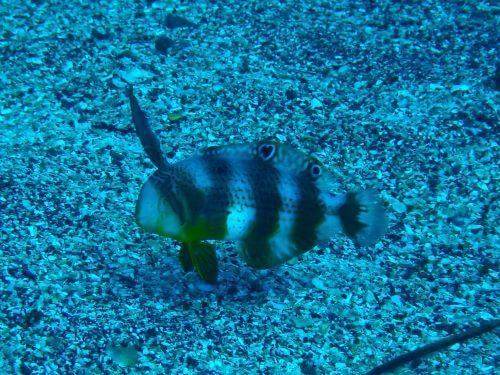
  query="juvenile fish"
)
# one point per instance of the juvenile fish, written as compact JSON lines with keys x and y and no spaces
{"x":270,"y":198}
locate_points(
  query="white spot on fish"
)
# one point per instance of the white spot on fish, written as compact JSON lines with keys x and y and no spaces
{"x":241,"y":214}
{"x":281,"y":245}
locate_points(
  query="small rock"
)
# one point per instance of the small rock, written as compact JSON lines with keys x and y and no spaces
{"x":398,"y":206}
{"x":315,"y":103}
{"x":282,"y":352}
{"x":173,"y":21}
{"x":135,"y":75}
{"x":396,"y":299}
{"x":290,"y":94}
{"x":175,"y":116}
{"x":124,"y":355}
{"x":163,"y":43}
{"x":100,"y":34}
{"x":458,"y":88}
{"x":343,"y":69}
{"x":340,"y":366}
{"x":301,"y":322}
{"x":191,"y":361}
{"x":319,"y":284}
{"x":204,"y":287}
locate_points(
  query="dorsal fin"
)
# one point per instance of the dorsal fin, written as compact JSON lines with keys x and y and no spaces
{"x":148,"y":139}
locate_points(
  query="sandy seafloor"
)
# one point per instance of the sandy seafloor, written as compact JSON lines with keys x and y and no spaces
{"x":397,"y":96}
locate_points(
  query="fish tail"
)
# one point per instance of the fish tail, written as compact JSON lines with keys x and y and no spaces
{"x":362,"y":217}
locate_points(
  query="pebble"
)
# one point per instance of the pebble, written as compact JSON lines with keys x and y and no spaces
{"x":398,"y":206}
{"x":173,"y":21}
{"x":204,"y":287}
{"x":319,"y":284}
{"x":163,"y":43}
{"x":315,"y":103}
{"x":135,"y":75}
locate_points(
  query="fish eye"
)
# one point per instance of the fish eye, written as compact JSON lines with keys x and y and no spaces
{"x":315,"y":170}
{"x":266,"y":151}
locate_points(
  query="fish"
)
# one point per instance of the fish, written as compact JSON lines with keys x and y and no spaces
{"x":273,"y":200}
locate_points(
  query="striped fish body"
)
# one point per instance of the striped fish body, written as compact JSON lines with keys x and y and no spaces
{"x":273,"y":200}
{"x":275,"y":206}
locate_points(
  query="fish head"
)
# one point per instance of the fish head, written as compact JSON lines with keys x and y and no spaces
{"x":154,"y":212}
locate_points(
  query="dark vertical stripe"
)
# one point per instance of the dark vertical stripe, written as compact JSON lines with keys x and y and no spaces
{"x":164,"y":182}
{"x":310,"y":213}
{"x":218,"y":198}
{"x":202,"y":213}
{"x":177,"y":187}
{"x":264,"y":180}
{"x":349,"y":215}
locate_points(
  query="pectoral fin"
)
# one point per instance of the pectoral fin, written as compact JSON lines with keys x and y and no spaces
{"x":204,"y":260}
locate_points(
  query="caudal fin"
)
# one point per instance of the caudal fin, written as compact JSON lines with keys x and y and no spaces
{"x":362,"y":217}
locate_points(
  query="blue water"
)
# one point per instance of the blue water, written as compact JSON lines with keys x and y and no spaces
{"x":400,"y":97}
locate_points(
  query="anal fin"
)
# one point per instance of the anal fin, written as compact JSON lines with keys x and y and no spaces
{"x":204,"y":260}
{"x":185,"y":258}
